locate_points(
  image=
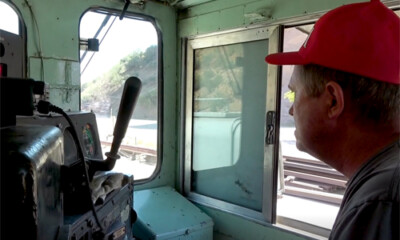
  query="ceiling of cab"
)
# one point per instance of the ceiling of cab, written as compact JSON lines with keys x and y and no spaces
{"x":182,"y":4}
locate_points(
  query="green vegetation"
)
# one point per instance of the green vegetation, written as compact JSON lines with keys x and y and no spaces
{"x":103,"y":94}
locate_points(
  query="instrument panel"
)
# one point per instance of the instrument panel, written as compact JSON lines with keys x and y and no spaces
{"x":86,"y":127}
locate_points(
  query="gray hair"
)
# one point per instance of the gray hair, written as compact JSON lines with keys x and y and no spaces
{"x":375,"y":100}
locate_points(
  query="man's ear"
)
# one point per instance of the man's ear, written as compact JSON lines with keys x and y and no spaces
{"x":335,"y":99}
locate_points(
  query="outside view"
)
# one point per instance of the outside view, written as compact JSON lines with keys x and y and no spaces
{"x":8,"y":19}
{"x":312,"y":191}
{"x":127,"y":48}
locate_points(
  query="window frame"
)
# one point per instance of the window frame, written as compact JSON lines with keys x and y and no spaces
{"x":270,"y":33}
{"x":22,"y":33}
{"x":160,"y":79}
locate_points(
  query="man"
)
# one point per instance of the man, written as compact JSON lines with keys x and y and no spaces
{"x":346,"y":109}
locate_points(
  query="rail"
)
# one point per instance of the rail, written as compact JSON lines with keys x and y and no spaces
{"x":313,"y":179}
{"x":133,"y":149}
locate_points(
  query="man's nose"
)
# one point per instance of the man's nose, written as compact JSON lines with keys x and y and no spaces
{"x":291,"y":110}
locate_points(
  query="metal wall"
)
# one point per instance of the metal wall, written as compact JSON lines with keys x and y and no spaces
{"x":223,"y":15}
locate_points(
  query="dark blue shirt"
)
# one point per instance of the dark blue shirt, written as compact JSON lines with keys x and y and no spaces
{"x":370,"y":206}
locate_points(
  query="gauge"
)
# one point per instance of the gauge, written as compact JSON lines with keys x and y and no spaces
{"x":89,"y":142}
{"x":70,"y":149}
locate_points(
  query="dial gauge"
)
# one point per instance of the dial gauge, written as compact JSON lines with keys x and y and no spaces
{"x":89,"y":142}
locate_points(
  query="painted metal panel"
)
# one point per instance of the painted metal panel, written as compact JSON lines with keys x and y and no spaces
{"x":57,"y":71}
{"x":62,"y":78}
{"x":188,"y":26}
{"x":164,"y":214}
{"x":217,"y":5}
{"x":254,"y":12}
{"x":188,"y":3}
{"x":229,"y":18}
{"x":257,"y":12}
{"x":209,"y":22}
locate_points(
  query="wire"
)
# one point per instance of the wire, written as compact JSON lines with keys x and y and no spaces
{"x":103,"y":24}
{"x":105,"y":34}
{"x":45,"y":107}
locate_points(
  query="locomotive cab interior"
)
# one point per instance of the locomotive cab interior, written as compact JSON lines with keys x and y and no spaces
{"x":157,"y":119}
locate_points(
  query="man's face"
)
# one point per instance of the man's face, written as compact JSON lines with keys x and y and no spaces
{"x":307,"y":113}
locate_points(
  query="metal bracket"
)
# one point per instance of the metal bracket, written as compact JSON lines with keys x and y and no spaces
{"x":138,"y":3}
{"x":89,"y":44}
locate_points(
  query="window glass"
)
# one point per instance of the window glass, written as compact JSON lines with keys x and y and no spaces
{"x":9,"y":20}
{"x":127,"y":47}
{"x":308,"y":190}
{"x":229,"y":105}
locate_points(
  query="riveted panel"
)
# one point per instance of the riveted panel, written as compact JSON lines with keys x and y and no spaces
{"x":56,"y":71}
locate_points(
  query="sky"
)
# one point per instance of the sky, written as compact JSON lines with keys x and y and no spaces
{"x":8,"y":18}
{"x":123,"y":38}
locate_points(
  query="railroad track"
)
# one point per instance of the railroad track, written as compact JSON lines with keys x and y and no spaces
{"x":313,"y":179}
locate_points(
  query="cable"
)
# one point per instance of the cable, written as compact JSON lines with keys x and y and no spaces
{"x":105,"y":34}
{"x":46,"y":107}
{"x":103,"y":24}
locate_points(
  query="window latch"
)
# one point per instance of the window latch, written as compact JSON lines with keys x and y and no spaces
{"x":271,"y":120}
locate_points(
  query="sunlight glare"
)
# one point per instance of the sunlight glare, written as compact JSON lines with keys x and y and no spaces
{"x":8,"y":19}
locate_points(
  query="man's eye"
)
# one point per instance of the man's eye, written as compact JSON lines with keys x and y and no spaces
{"x":289,"y":95}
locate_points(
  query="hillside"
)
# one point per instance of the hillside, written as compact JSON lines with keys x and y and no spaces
{"x":103,"y":94}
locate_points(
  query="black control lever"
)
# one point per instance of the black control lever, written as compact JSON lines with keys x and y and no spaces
{"x":128,"y":101}
{"x":127,"y":2}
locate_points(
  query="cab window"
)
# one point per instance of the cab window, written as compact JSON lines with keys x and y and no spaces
{"x":12,"y":42}
{"x":9,"y":20}
{"x":112,"y":50}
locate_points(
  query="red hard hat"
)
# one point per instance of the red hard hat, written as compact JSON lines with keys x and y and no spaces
{"x":359,"y":38}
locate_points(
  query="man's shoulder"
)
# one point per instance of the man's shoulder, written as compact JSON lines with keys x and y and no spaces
{"x":378,"y":180}
{"x":371,"y":198}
